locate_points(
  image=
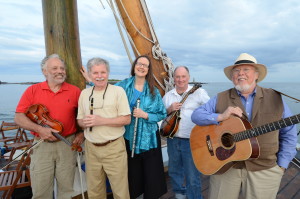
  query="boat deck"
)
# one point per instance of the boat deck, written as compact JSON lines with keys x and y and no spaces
{"x":289,"y":188}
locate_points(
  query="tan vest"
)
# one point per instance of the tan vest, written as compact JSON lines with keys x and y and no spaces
{"x":267,"y":108}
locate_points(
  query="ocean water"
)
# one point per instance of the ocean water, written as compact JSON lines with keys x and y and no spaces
{"x":11,"y":93}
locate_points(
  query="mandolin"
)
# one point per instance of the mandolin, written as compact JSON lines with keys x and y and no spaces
{"x":170,"y":124}
{"x":39,"y":114}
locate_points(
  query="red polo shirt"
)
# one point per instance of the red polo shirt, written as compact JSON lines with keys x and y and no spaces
{"x":62,"y":106}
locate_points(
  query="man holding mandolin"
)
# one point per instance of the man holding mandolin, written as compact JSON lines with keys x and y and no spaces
{"x":51,"y":158}
{"x":259,"y":162}
{"x":180,"y":103}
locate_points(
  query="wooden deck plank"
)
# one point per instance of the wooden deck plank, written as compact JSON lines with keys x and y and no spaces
{"x":290,"y":184}
{"x":289,"y":188}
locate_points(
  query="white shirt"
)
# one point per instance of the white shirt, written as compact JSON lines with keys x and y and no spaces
{"x":192,"y":102}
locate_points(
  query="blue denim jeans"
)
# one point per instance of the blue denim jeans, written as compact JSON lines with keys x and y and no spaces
{"x":185,"y":178}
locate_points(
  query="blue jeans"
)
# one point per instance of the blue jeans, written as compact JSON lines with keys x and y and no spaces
{"x":185,"y":178}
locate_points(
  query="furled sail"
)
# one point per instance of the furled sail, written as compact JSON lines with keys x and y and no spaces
{"x":135,"y":18}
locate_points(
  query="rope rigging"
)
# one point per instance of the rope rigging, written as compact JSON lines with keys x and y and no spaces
{"x":157,"y":53}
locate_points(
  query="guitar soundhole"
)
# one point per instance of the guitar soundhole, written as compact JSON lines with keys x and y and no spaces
{"x":228,"y":148}
{"x":227,"y":140}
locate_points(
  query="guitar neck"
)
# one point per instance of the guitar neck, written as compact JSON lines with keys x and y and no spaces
{"x":254,"y":132}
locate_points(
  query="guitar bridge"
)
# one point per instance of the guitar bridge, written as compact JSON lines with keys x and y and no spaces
{"x":209,"y":145}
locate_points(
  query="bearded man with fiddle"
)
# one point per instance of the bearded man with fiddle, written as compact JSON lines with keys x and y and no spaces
{"x":52,"y":158}
{"x":181,"y":165}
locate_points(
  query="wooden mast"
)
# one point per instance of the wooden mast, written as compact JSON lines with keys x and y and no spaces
{"x":62,"y":36}
{"x":134,"y":9}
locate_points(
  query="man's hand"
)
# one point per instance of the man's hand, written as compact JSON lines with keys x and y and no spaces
{"x":79,"y":138}
{"x":174,"y":107}
{"x":90,"y":121}
{"x":282,"y":168}
{"x":46,"y":134}
{"x":230,"y":111}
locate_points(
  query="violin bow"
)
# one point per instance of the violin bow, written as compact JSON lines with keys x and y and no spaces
{"x":25,"y":151}
{"x":58,"y":136}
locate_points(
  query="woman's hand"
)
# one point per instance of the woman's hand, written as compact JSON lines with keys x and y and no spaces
{"x":139,"y":113}
{"x":85,"y":74}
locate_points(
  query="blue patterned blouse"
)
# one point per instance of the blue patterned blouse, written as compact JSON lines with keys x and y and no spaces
{"x":153,"y":105}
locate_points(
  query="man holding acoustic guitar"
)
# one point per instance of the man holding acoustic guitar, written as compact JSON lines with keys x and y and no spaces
{"x":253,"y":166}
{"x":180,"y":103}
{"x":52,"y":158}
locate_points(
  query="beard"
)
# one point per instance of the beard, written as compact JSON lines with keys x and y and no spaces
{"x":52,"y":78}
{"x":245,"y":87}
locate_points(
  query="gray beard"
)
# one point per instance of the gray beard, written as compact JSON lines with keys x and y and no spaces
{"x":244,"y":88}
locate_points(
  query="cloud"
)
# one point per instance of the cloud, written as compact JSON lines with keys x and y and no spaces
{"x":204,"y":35}
{"x":283,"y":72}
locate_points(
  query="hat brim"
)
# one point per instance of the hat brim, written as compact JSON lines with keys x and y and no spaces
{"x":262,"y":70}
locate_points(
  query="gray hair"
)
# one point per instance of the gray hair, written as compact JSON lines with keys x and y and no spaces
{"x":97,"y":61}
{"x":44,"y":61}
{"x":185,"y":67}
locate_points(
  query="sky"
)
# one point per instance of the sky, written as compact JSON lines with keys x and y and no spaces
{"x":205,"y":36}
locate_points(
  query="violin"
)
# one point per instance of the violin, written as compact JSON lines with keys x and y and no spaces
{"x":170,"y":124}
{"x":39,"y":114}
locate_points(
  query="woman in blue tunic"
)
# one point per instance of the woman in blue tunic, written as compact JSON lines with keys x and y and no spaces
{"x":145,"y":168}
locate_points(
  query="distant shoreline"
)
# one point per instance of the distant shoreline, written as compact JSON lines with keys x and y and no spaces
{"x":19,"y":83}
{"x":112,"y":81}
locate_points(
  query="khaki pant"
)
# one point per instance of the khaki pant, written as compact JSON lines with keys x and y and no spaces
{"x":262,"y":184}
{"x":111,"y":161}
{"x":49,"y":160}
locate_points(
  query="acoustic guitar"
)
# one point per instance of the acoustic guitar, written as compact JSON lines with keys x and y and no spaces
{"x":216,"y":148}
{"x":170,"y":124}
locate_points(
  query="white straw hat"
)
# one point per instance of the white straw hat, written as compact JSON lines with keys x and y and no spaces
{"x":245,"y":58}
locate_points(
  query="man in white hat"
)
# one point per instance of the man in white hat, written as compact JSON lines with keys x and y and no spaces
{"x":257,"y":178}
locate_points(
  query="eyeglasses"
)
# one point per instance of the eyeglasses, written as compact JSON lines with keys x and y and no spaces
{"x":245,"y":70}
{"x":139,"y":64}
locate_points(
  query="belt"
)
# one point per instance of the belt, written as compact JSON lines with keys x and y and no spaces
{"x":104,"y":143}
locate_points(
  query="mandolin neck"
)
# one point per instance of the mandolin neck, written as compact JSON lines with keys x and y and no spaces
{"x":186,"y":96}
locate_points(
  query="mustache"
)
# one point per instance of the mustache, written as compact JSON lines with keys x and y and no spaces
{"x":60,"y":74}
{"x":99,"y":79}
